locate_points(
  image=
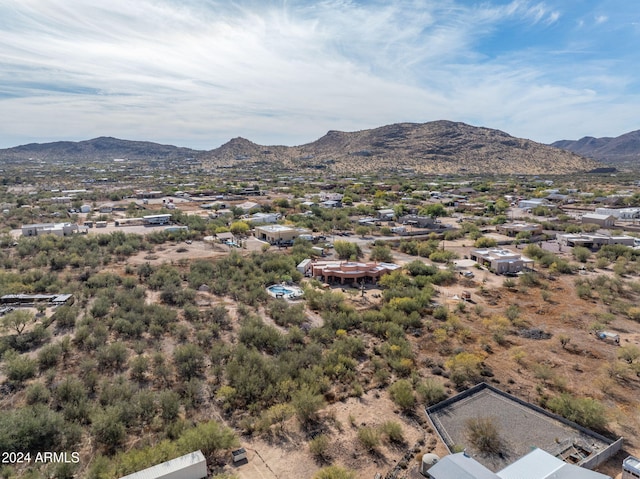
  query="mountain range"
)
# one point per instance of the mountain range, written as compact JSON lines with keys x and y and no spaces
{"x":433,"y":147}
{"x":623,"y":150}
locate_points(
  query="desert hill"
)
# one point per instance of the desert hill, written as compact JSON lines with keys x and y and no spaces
{"x":621,"y":150}
{"x":434,"y":147}
{"x":102,"y":148}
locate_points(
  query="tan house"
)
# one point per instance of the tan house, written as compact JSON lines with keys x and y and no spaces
{"x":278,"y":234}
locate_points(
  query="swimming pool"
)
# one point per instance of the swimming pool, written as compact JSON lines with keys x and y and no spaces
{"x":280,"y":291}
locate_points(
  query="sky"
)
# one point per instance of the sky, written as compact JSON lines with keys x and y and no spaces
{"x":197,"y":73}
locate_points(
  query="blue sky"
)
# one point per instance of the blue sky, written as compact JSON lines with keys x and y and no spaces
{"x":199,"y":72}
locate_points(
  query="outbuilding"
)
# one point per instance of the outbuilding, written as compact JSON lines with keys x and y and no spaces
{"x":189,"y":466}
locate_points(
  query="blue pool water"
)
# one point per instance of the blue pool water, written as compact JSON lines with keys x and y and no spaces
{"x":280,"y":289}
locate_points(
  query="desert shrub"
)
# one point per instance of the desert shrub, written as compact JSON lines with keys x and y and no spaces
{"x":392,"y":430}
{"x":319,"y":446}
{"x":210,"y":437}
{"x":107,"y":428}
{"x":18,"y":368}
{"x":582,"y":254}
{"x":483,"y":434}
{"x":485,"y":242}
{"x":35,"y":428}
{"x":464,"y":367}
{"x":587,"y":412}
{"x":369,"y":437}
{"x":401,"y":393}
{"x":629,"y":353}
{"x":430,"y":391}
{"x":48,"y":356}
{"x":443,"y":256}
{"x":189,"y":361}
{"x":37,"y":393}
{"x":307,"y":404}
{"x":335,"y":472}
{"x":529,"y":279}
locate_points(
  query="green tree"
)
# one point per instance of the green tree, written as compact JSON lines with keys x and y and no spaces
{"x":347,"y":250}
{"x":381,"y":253}
{"x":239,"y":228}
{"x":17,"y":320}
{"x":434,"y":210}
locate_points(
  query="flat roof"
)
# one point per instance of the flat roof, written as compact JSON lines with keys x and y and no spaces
{"x":275,"y":228}
{"x":521,"y":426}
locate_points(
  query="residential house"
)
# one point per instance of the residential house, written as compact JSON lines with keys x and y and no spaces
{"x":538,"y":464}
{"x":604,"y":221}
{"x":501,"y":261}
{"x":418,"y":221}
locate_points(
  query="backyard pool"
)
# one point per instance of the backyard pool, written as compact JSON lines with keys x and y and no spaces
{"x":280,"y":291}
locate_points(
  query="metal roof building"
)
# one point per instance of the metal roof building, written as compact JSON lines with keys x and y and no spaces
{"x":539,"y":464}
{"x":189,"y":466}
{"x":459,"y":466}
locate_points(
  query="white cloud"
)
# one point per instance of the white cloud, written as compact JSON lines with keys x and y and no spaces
{"x":601,"y":19}
{"x":201,"y":72}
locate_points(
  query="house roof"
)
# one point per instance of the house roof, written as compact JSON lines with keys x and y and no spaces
{"x":460,"y":466}
{"x":595,"y":216}
{"x":166,"y":469}
{"x":539,"y":464}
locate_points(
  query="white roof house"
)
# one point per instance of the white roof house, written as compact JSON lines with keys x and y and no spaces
{"x":459,"y":466}
{"x":189,"y":466}
{"x":501,"y":260}
{"x":539,"y":464}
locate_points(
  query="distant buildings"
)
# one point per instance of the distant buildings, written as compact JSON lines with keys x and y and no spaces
{"x":622,"y":214}
{"x":264,"y":218}
{"x":58,"y":229}
{"x":279,"y":234}
{"x":604,"y":221}
{"x":594,"y":241}
{"x":532,"y":203}
{"x":501,"y":261}
{"x":417,"y":220}
{"x":353,"y":271}
{"x":512,"y":229}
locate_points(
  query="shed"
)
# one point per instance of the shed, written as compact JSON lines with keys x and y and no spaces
{"x":189,"y":466}
{"x":239,"y":455}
